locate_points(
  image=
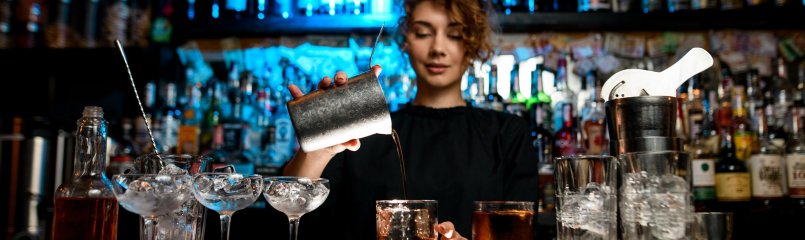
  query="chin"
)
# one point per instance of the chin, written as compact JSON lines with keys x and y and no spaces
{"x":440,"y":81}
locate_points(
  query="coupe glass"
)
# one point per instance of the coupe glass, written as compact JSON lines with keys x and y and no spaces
{"x":151,"y":196}
{"x":296,"y":196}
{"x":226,"y":193}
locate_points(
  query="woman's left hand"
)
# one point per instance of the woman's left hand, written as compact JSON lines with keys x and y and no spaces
{"x":448,"y":231}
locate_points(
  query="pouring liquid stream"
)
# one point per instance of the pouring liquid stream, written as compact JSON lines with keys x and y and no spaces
{"x":131,"y":78}
{"x":394,"y":135}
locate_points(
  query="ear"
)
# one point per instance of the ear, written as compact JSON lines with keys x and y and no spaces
{"x":406,"y":47}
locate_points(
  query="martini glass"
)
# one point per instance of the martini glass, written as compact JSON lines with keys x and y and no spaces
{"x":151,"y":196}
{"x":226,"y":193}
{"x":296,"y":196}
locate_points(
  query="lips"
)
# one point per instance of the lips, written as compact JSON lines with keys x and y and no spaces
{"x":435,"y":68}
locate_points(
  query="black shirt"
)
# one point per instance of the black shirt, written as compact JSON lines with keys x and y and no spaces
{"x":453,"y":155}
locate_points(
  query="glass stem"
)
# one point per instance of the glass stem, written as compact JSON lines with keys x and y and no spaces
{"x":150,"y":231}
{"x":225,"y":218}
{"x":294,"y":227}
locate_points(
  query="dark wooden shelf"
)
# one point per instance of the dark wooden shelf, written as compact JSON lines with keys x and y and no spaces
{"x":764,"y":18}
{"x":277,"y":26}
{"x":750,"y":18}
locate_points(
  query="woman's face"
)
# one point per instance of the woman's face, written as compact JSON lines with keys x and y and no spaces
{"x":434,"y":46}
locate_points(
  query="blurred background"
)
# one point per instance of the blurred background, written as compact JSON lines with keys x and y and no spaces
{"x":212,"y":75}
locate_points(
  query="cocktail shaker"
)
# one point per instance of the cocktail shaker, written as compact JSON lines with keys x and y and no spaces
{"x":335,"y":115}
{"x":643,"y":123}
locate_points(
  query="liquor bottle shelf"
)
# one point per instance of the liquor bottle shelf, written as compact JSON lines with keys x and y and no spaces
{"x":762,"y":18}
{"x":277,"y":26}
{"x":748,"y":18}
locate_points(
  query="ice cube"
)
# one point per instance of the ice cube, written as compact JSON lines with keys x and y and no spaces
{"x":171,"y":169}
{"x":422,"y":222}
{"x":140,"y":186}
{"x":669,"y":183}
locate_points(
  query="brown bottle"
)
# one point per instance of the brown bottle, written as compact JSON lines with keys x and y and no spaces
{"x":85,"y":206}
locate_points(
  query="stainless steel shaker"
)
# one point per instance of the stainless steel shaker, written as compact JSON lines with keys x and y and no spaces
{"x":334,"y":115}
{"x":643,"y":123}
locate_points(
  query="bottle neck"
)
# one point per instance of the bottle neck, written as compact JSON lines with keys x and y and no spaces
{"x":90,"y":150}
{"x":727,"y":146}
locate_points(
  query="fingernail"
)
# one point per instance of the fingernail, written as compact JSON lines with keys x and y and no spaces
{"x":449,"y":234}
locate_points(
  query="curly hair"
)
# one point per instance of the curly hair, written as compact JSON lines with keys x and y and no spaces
{"x":476,"y":17}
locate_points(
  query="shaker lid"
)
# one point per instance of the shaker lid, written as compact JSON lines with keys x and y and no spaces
{"x":638,"y":82}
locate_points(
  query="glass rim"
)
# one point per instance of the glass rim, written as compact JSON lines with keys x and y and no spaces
{"x":248,"y":175}
{"x":148,"y":175}
{"x":286,"y":178}
{"x":577,"y":157}
{"x":503,"y":202}
{"x":398,"y":201}
{"x":176,"y":155}
{"x":655,"y":153}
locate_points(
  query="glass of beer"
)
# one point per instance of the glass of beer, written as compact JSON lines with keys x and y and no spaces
{"x":503,"y":220}
{"x":406,"y":219}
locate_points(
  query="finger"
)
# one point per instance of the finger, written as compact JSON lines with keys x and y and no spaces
{"x":325,"y":82}
{"x":377,"y":69}
{"x":295,"y":92}
{"x":446,"y":229}
{"x":353,"y":145}
{"x":340,"y":78}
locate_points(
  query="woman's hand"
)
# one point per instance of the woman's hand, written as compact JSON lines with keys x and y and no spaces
{"x":340,"y":80}
{"x":448,"y":231}
{"x":312,"y":164}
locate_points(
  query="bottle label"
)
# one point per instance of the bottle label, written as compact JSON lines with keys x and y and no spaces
{"x":596,"y":139}
{"x":767,"y":177}
{"x":284,"y":139}
{"x":743,"y":144}
{"x":733,"y":186}
{"x":704,"y":193}
{"x":704,"y":174}
{"x":795,"y":163}
{"x":188,"y":140}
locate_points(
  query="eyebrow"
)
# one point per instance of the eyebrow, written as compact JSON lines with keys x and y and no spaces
{"x":429,"y":25}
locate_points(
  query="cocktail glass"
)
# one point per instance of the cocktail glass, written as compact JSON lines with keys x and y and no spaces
{"x":226,"y":193}
{"x":151,"y":196}
{"x":296,"y":196}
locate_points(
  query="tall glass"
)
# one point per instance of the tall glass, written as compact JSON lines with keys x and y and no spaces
{"x":296,"y":196}
{"x":406,"y":219}
{"x":188,"y":222}
{"x":655,"y":203}
{"x":587,"y":198}
{"x":503,"y":220}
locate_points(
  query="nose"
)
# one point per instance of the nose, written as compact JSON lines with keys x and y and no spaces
{"x":437,"y":48}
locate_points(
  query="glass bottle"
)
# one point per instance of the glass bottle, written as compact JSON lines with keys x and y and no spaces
{"x":190,"y":130}
{"x":542,"y":141}
{"x":565,"y":142}
{"x":766,"y":166}
{"x":493,"y":99}
{"x":563,"y":95}
{"x":795,"y":161}
{"x":85,"y":206}
{"x":703,"y":167}
{"x":538,"y":96}
{"x":733,"y":188}
{"x":741,"y":126}
{"x":594,"y":127}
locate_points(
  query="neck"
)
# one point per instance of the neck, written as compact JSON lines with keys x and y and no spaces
{"x":446,"y":97}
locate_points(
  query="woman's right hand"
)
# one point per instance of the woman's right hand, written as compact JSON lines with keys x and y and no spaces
{"x":326,"y":82}
{"x":311,"y":164}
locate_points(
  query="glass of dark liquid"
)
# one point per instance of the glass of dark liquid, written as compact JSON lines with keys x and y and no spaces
{"x":406,"y":219}
{"x":511,"y":220}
